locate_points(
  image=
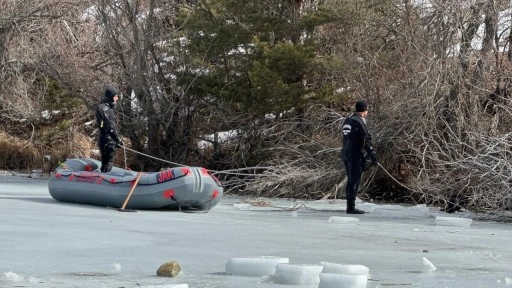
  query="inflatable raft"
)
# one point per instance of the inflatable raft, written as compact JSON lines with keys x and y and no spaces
{"x":79,"y":181}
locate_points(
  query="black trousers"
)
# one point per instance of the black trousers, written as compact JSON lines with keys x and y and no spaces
{"x":107,"y":157}
{"x":354,"y":172}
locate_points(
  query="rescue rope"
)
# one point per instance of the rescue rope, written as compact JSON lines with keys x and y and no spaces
{"x":233,"y":171}
{"x":394,"y":179}
{"x":163,"y":160}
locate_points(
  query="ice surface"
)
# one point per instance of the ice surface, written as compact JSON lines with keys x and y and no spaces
{"x":297,"y":274}
{"x":49,"y":244}
{"x":254,"y":266}
{"x":453,"y":221}
{"x":328,"y":280}
{"x":335,"y":268}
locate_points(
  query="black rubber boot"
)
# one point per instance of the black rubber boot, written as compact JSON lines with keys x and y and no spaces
{"x":353,"y":210}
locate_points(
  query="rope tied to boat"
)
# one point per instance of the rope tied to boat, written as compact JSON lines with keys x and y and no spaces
{"x":149,"y":156}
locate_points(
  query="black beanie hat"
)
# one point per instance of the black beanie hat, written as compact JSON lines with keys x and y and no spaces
{"x":110,"y":92}
{"x":361,"y":106}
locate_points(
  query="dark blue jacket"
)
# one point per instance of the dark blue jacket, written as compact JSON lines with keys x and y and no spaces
{"x":357,"y":140}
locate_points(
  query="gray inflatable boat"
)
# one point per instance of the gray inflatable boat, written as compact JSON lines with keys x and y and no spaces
{"x":79,"y":181}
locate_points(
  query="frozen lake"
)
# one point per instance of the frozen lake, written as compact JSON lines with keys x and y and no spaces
{"x":45,"y":243}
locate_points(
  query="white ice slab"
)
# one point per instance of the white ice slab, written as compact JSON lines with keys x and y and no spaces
{"x":297,"y":274}
{"x":242,"y":206}
{"x":453,"y":221}
{"x":328,"y":280}
{"x":335,"y":268}
{"x":254,"y":266}
{"x":421,"y":211}
{"x":167,"y":286}
{"x":343,"y":220}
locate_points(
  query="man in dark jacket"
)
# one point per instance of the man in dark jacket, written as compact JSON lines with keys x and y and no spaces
{"x":357,"y":146}
{"x":106,"y":122}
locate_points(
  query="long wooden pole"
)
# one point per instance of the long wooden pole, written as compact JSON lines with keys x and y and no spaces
{"x":131,"y":191}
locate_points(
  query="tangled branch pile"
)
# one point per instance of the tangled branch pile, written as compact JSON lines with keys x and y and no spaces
{"x":303,"y":158}
{"x":427,"y":162}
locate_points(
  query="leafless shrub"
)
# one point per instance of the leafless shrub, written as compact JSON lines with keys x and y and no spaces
{"x":17,"y":153}
{"x":305,"y":159}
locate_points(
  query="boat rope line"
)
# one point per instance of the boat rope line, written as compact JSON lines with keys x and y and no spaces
{"x":394,"y":179}
{"x":153,"y":157}
{"x":237,"y":172}
{"x":234,"y":171}
{"x":231,"y":172}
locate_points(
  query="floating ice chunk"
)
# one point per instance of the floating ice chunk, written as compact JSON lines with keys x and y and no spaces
{"x":508,"y":281}
{"x":37,"y":173}
{"x":335,"y":268}
{"x":453,"y":221}
{"x":343,"y":220}
{"x":428,"y":265}
{"x":297,"y":274}
{"x":240,"y":206}
{"x":115,"y":267}
{"x":254,"y":266}
{"x":34,"y":280}
{"x":13,"y":277}
{"x":328,"y":280}
{"x":404,"y":211}
{"x":167,"y":286}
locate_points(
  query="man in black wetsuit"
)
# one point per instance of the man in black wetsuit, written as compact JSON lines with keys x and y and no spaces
{"x":357,"y":146}
{"x":106,"y":122}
